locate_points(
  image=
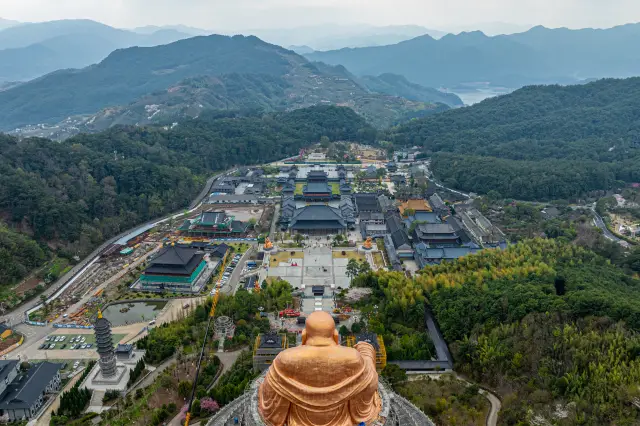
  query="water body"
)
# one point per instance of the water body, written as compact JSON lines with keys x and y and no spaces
{"x":139,"y":312}
{"x":472,"y":94}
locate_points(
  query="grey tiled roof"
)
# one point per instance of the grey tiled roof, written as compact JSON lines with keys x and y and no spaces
{"x":6,"y":367}
{"x":25,"y":390}
{"x":317,"y":217}
{"x":177,"y":260}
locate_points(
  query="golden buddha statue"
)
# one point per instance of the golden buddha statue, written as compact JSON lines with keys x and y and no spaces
{"x":368,"y":244}
{"x":268,"y":245}
{"x":321,"y":383}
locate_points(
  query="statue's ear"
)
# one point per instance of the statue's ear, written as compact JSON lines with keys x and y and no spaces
{"x":336,"y":337}
{"x":304,"y":336}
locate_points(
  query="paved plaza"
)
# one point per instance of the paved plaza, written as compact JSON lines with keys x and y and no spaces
{"x":317,"y":267}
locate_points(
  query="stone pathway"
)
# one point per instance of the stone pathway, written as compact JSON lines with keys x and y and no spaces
{"x":95,"y":405}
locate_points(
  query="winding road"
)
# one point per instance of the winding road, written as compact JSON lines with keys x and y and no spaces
{"x":605,"y":231}
{"x":496,"y":405}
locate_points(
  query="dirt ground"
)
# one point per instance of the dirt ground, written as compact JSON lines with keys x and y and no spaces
{"x":284,"y":256}
{"x":244,"y":213}
{"x":349,"y":254}
{"x":28,"y":285}
{"x":4,"y":344}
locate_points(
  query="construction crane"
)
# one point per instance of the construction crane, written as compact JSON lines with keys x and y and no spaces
{"x":212,"y":313}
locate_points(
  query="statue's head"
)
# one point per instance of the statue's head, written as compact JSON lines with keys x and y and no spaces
{"x":320,"y":330}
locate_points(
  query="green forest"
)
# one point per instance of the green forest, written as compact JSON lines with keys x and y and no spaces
{"x":68,"y":197}
{"x":542,"y":323}
{"x":540,"y":142}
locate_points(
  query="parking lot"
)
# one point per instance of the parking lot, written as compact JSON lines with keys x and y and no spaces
{"x":72,"y":341}
{"x":228,"y":272}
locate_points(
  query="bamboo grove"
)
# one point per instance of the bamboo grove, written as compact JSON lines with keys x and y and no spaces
{"x":549,"y":325}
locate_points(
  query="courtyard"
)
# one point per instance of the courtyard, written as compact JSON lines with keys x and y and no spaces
{"x":313,"y":267}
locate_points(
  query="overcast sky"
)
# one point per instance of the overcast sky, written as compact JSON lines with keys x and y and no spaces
{"x":244,"y":14}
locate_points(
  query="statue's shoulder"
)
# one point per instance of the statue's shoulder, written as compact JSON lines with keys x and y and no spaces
{"x":294,"y":356}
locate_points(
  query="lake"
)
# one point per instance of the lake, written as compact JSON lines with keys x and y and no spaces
{"x":472,"y":94}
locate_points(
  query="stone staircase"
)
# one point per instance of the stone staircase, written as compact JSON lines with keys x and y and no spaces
{"x":95,"y":405}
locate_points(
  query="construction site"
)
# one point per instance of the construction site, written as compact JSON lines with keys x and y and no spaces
{"x":110,"y":276}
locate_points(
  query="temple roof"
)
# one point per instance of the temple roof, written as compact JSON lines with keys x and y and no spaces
{"x":317,"y":187}
{"x":318,"y":217}
{"x":212,"y":218}
{"x":176,"y":260}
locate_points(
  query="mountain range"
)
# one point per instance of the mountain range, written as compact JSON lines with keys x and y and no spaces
{"x":540,"y":55}
{"x":168,"y":82}
{"x":328,"y":37}
{"x":192,"y":31}
{"x":29,"y":51}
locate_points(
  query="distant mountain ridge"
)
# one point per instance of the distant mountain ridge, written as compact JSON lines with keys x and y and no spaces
{"x":328,"y":37}
{"x":31,"y":50}
{"x":170,"y":82}
{"x":6,"y":23}
{"x":539,"y":55}
{"x":150,"y":29}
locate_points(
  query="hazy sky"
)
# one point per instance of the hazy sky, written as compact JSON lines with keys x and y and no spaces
{"x":243,"y":14}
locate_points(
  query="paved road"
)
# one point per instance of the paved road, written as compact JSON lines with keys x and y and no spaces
{"x":227,"y":359}
{"x":605,"y":231}
{"x":274,"y":222}
{"x":464,"y":194}
{"x":496,"y":405}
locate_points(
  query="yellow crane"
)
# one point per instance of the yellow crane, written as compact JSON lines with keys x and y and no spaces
{"x":206,"y":335}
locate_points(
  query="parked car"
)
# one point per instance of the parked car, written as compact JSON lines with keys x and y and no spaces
{"x":42,"y":346}
{"x":89,"y":345}
{"x":72,"y":347}
{"x":64,"y":345}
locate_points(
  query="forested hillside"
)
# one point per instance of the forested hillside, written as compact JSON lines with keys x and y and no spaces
{"x":180,"y":80}
{"x":70,"y":196}
{"x":540,"y":142}
{"x":549,"y":325}
{"x":397,"y":85}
